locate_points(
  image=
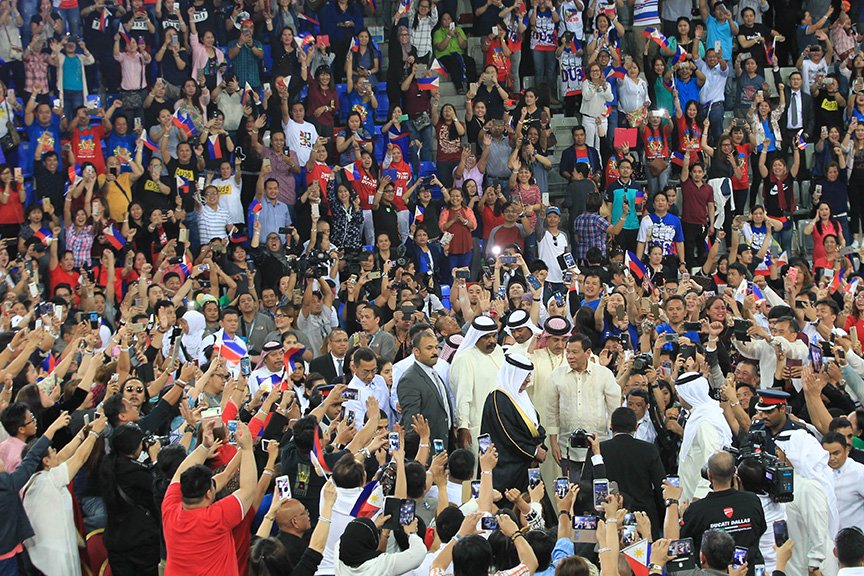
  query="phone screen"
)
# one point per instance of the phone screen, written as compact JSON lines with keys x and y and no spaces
{"x":533,"y":477}
{"x":739,"y":557}
{"x":601,"y":492}
{"x":562,"y":485}
{"x":484,"y":441}
{"x":406,"y":512}
{"x":781,"y":532}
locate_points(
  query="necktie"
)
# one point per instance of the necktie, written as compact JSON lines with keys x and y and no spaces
{"x":793,"y":119}
{"x":339,"y":372}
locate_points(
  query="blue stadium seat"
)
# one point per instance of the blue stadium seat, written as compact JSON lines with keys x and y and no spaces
{"x":342,"y":93}
{"x":379,"y":141}
{"x":383,"y":110}
{"x":445,"y":296}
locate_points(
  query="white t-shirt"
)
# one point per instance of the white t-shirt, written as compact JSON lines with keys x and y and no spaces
{"x":810,"y":70}
{"x":229,"y":198}
{"x":300,"y":138}
{"x":549,"y":248}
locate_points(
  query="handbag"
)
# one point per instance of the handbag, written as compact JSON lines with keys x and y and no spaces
{"x":422,"y":121}
{"x":12,"y":139}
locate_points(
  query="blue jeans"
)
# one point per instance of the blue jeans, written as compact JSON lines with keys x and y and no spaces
{"x":425,"y":137}
{"x":784,"y":237}
{"x":191,"y":222}
{"x":29,"y":8}
{"x":71,"y":19}
{"x":715,"y":115}
{"x":72,"y":100}
{"x":544,"y":68}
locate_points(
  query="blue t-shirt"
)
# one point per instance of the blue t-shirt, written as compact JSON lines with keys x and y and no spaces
{"x":367,"y":112}
{"x":666,"y":328}
{"x":666,"y":231}
{"x":687,"y":91}
{"x":122,"y":147}
{"x":50,"y":136}
{"x":721,"y":32}
{"x":72,"y":77}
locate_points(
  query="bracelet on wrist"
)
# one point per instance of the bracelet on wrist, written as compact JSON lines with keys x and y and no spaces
{"x":325,"y":520}
{"x":516,"y":535}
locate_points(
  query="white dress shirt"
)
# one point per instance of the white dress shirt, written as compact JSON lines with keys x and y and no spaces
{"x":849,"y":490}
{"x":713,"y":90}
{"x":645,"y":429}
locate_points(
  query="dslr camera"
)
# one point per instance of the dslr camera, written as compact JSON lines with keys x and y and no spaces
{"x":581,"y":438}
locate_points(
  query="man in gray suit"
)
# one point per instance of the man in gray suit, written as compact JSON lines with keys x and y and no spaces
{"x":421,"y":390}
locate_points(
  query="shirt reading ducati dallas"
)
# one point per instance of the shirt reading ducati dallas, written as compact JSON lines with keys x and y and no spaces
{"x":738,"y":513}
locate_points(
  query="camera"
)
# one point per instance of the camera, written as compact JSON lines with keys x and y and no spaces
{"x":581,"y":438}
{"x":152,"y":440}
{"x":777,"y":478}
{"x":640,"y":364}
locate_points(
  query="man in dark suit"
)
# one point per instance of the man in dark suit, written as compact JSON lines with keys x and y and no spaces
{"x":634,"y":464}
{"x":421,"y":390}
{"x":798,"y":114}
{"x":330,"y":365}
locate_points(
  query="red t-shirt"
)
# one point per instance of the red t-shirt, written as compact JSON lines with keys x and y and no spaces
{"x":200,"y":541}
{"x":689,"y":134}
{"x":490,"y":220}
{"x":742,"y":155}
{"x":60,"y":276}
{"x":365,"y":187}
{"x":321,"y":173}
{"x":87,"y":146}
{"x":400,"y":184}
{"x":243,"y":540}
{"x":696,"y":199}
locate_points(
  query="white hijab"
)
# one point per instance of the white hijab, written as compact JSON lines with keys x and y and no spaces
{"x":692,"y":387}
{"x":192,"y":339}
{"x":810,"y":460}
{"x":481,"y":326}
{"x":511,"y":376}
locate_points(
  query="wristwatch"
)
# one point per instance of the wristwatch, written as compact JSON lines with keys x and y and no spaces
{"x":670,"y":501}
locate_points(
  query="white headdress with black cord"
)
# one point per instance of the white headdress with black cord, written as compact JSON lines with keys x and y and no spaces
{"x":480,"y":326}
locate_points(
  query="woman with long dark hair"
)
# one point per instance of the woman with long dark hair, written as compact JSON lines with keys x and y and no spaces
{"x":690,"y":124}
{"x":778,"y":194}
{"x":459,"y":221}
{"x":822,"y":224}
{"x":193,"y":103}
{"x":132,"y":535}
{"x":346,"y":217}
{"x":449,"y":132}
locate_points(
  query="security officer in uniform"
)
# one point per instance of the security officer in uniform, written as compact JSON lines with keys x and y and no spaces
{"x":771,"y":408}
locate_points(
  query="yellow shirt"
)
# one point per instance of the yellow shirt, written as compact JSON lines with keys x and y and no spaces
{"x":117,"y":193}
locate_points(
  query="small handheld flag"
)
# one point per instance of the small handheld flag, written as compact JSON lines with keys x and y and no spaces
{"x":616,"y":74}
{"x":799,"y":140}
{"x":306,"y":18}
{"x":427,"y":83}
{"x":44,"y":234}
{"x":636,"y":267}
{"x":102,"y":24}
{"x":369,"y":502}
{"x":418,"y":214}
{"x":255,"y":206}
{"x":638,"y":556}
{"x":316,"y":455}
{"x":355,"y":45}
{"x":438,"y":68}
{"x":148,"y":142}
{"x":114,"y":237}
{"x":293,"y":358}
{"x":351,"y":172}
{"x":184,"y":123}
{"x":122,"y":32}
{"x":232,"y":350}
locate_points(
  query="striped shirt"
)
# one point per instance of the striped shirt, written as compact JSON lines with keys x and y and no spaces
{"x":645,"y":13}
{"x":211,"y":223}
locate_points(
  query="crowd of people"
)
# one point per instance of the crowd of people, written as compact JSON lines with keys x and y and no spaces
{"x":273,"y":303}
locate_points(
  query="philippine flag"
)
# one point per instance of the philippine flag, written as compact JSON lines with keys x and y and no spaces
{"x":308,"y":19}
{"x":231,"y":349}
{"x":148,"y":143}
{"x":45,"y":235}
{"x":49,"y":363}
{"x":369,"y":502}
{"x":114,"y":237}
{"x":637,"y":556}
{"x":438,"y":68}
{"x":427,"y":83}
{"x":351,"y":172}
{"x":316,"y":455}
{"x":184,"y":123}
{"x":636,"y":267}
{"x":214,"y":148}
{"x":419,"y":211}
{"x":102,"y":24}
{"x":255,"y":207}
{"x":293,"y":358}
{"x":122,"y":32}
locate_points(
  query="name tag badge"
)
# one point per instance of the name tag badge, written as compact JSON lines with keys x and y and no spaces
{"x":371,"y":199}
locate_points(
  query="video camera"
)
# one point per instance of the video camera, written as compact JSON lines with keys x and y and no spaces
{"x":778,"y":479}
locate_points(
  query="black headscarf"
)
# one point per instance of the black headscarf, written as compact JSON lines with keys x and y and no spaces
{"x":359,"y":542}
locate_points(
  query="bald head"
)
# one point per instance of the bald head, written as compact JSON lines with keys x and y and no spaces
{"x":293,"y":518}
{"x":721,"y":468}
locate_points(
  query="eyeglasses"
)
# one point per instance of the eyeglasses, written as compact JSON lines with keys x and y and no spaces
{"x":138,"y":389}
{"x":30,"y":421}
